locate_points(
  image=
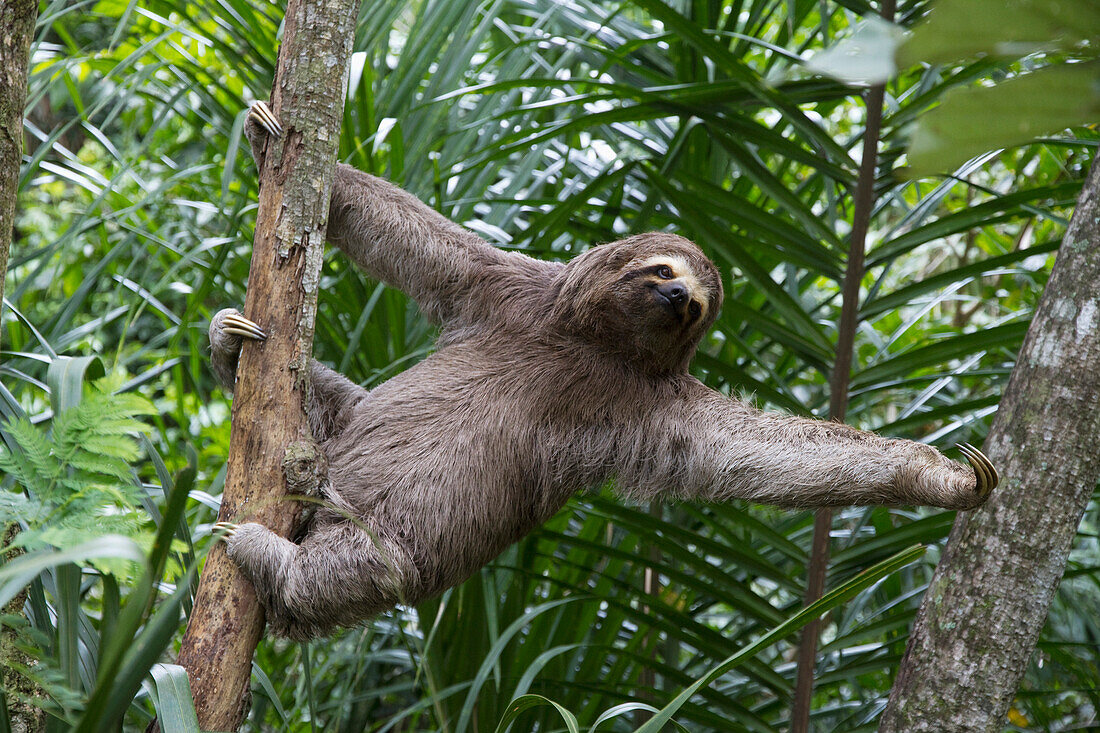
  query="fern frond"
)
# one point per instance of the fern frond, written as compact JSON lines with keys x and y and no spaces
{"x":74,"y":485}
{"x":78,"y":477}
{"x":118,"y":404}
{"x":34,"y":465}
{"x":116,"y":425}
{"x":105,"y":465}
{"x":122,"y":447}
{"x":133,"y":404}
{"x":15,"y":506}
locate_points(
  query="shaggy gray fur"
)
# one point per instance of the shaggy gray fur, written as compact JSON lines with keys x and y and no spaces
{"x":549,"y":379}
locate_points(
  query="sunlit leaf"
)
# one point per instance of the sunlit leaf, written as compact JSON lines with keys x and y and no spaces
{"x":977,"y":120}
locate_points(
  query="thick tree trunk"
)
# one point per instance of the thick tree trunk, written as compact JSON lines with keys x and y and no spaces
{"x":295,"y":186}
{"x":17,"y":19}
{"x":981,"y":616}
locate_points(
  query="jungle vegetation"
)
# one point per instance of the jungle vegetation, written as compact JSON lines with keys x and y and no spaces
{"x":547,"y":128}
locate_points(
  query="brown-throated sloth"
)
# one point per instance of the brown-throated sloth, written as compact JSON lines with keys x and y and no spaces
{"x":548,"y":378}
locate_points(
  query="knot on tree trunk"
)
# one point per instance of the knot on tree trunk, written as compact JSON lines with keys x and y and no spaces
{"x":305,"y":467}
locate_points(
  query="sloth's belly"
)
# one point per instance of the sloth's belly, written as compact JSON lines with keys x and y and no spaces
{"x":470,"y":467}
{"x":456,"y":460}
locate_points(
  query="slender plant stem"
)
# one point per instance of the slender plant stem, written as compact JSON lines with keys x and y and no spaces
{"x":647,"y":679}
{"x":838,"y":385}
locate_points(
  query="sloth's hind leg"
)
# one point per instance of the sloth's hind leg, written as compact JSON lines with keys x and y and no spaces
{"x":339,"y":575}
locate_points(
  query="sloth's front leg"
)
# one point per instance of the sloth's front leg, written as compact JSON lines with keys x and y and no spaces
{"x":331,"y":395}
{"x":259,"y":127}
{"x":228,"y":329}
{"x":720,"y":449}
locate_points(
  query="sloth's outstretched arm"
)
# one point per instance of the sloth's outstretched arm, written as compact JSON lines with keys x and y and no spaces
{"x":719,"y":448}
{"x":453,"y":274}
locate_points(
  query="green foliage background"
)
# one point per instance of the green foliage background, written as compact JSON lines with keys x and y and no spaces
{"x":546,"y":127}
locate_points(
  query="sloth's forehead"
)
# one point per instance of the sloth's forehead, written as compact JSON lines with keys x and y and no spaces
{"x":673,"y":261}
{"x":676,"y":263}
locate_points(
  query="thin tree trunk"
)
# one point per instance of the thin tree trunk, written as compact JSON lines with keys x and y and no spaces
{"x":982,"y":613}
{"x":268,"y":418}
{"x":17,"y":19}
{"x":839,"y":383}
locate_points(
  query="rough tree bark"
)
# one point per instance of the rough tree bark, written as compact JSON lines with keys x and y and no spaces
{"x":17,"y":19}
{"x":988,"y":600}
{"x":268,"y":419}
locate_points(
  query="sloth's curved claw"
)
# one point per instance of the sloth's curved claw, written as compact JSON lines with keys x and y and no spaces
{"x":238,"y":325}
{"x":265,"y":118}
{"x":225,"y":530}
{"x":984,"y":471}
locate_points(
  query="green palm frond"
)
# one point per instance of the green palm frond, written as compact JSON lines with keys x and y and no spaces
{"x":548,"y":128}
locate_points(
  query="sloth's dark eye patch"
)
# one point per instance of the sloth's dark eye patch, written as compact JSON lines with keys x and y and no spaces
{"x":695,"y":309}
{"x":664,"y":272}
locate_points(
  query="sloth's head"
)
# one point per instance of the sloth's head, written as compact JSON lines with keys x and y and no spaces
{"x":650,"y":297}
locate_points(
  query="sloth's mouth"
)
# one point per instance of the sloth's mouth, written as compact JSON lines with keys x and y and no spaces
{"x":666,"y":303}
{"x":684,"y":312}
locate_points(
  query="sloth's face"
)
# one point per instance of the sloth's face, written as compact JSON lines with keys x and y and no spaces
{"x":666,"y":292}
{"x":650,"y":298}
{"x":666,"y":301}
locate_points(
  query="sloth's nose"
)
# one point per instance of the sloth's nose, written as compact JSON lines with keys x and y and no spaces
{"x":674,"y":291}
